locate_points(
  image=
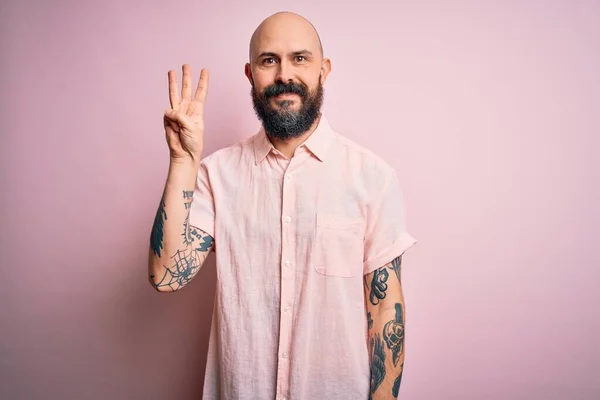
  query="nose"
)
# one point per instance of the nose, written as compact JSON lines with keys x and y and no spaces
{"x":285,"y":72}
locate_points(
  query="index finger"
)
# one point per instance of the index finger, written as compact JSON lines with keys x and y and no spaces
{"x":173,"y":97}
{"x":202,"y":86}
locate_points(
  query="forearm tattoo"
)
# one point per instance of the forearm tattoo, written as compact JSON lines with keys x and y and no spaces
{"x":393,"y":334}
{"x":184,"y":267}
{"x":184,"y":264}
{"x":397,"y":381}
{"x":396,"y":263}
{"x":390,"y":338}
{"x":377,"y":352}
{"x":378,"y":285}
{"x":188,"y":194}
{"x":156,"y":237}
{"x":393,"y":337}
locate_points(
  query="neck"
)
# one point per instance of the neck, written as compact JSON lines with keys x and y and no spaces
{"x":288,"y":147}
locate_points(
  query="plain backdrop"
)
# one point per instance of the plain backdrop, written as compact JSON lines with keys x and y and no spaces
{"x":488,"y":110}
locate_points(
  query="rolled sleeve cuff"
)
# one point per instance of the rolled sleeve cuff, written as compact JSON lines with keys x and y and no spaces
{"x":403,"y":243}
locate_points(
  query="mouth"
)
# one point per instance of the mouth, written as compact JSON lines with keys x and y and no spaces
{"x":286,"y":100}
{"x":286,"y":96}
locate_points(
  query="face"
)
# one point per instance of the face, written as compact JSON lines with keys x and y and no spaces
{"x":287,"y":72}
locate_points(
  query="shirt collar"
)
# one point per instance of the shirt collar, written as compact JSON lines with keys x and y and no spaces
{"x":317,"y":143}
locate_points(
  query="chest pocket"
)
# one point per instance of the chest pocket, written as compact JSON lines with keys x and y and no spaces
{"x":338,"y":245}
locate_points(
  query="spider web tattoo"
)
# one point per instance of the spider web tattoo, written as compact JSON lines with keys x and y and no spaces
{"x":186,"y":265}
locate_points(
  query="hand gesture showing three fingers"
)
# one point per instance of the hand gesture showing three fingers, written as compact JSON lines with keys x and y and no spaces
{"x":184,"y":121}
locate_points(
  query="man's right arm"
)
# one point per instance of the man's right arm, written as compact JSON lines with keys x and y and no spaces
{"x":177,"y":249}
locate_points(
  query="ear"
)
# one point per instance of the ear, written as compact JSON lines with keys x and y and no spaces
{"x":248,"y":73}
{"x":325,"y":70}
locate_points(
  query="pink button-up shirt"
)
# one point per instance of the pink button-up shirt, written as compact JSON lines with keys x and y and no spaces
{"x":293,"y":239}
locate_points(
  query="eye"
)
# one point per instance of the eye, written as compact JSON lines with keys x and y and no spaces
{"x":300,"y":58}
{"x":269,"y":60}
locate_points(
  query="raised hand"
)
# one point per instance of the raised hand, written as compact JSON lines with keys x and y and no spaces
{"x":184,"y":121}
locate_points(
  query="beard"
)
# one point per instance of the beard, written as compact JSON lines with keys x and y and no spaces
{"x":285,"y":123}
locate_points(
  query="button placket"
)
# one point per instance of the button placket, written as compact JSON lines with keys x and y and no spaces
{"x":287,"y":282}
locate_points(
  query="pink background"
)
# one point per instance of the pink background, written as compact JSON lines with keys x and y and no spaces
{"x":488,"y":109}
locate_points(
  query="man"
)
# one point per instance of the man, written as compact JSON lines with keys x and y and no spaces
{"x":308,"y":231}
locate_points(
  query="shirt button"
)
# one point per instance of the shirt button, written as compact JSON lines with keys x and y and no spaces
{"x":288,"y":263}
{"x":283,"y":398}
{"x":286,"y":309}
{"x":284,"y":355}
{"x":287,"y":219}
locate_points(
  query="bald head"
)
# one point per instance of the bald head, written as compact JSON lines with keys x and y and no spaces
{"x":285,"y":27}
{"x":287,"y":71}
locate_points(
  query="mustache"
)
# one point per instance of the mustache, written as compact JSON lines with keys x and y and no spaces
{"x":280,"y":88}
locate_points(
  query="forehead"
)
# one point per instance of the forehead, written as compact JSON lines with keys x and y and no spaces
{"x":282,"y":38}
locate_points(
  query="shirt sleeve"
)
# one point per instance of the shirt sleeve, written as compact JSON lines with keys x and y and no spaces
{"x":202,"y":209}
{"x":386,"y":237}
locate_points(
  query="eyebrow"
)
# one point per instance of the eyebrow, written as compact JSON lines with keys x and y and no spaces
{"x":271,"y":54}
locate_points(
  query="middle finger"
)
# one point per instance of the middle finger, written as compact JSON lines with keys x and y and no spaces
{"x":186,"y":90}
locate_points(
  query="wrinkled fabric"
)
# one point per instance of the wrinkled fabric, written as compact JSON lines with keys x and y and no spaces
{"x":293,"y":239}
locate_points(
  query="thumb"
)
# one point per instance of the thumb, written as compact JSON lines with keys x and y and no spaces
{"x":174,"y":116}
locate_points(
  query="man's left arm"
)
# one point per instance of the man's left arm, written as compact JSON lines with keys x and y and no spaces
{"x":385,"y":314}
